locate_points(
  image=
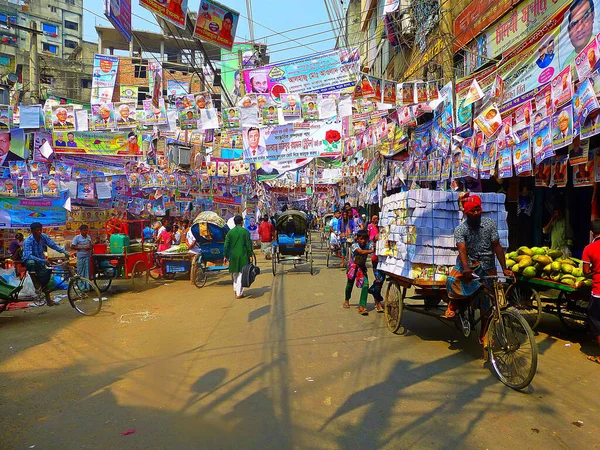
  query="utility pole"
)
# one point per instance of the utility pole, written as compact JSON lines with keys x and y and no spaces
{"x":34,"y":64}
{"x":250,"y":21}
{"x":241,"y":66}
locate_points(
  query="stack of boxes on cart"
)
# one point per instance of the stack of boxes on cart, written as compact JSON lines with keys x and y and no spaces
{"x":417,"y":231}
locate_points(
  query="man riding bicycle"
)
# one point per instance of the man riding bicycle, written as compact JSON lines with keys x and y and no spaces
{"x":34,"y":248}
{"x":477,"y":241}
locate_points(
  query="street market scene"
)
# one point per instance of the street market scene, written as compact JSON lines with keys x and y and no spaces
{"x":344,"y":224}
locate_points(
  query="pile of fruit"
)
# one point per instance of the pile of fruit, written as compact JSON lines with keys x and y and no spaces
{"x":541,"y":262}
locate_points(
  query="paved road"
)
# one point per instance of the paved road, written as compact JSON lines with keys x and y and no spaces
{"x":286,"y":367}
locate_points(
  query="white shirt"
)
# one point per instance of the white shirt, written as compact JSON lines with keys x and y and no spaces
{"x":190,"y":238}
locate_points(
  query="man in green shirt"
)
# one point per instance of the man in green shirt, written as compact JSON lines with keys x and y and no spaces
{"x":559,"y":228}
{"x":238,"y":251}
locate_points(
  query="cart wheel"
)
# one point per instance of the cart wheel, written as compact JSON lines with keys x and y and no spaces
{"x":200,"y":276}
{"x":527,"y":302}
{"x":103,"y":284}
{"x":139,"y":276}
{"x":84,"y":296}
{"x":274,"y":263}
{"x":155,"y":271}
{"x":513,"y":350}
{"x":572,"y":312}
{"x":394,"y":306}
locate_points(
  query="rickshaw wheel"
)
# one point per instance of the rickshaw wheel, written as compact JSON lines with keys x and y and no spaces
{"x":394,"y":306}
{"x":328,"y":255}
{"x":139,"y":276}
{"x":312,"y":270}
{"x":574,"y":320}
{"x":200,"y":276}
{"x":274,"y":263}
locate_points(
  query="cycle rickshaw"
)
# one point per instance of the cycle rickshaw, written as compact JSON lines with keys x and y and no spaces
{"x":293,"y":243}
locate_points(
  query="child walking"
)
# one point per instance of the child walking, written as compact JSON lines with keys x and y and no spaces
{"x":357,"y":271}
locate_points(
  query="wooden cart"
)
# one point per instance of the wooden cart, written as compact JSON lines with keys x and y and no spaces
{"x":133,"y":266}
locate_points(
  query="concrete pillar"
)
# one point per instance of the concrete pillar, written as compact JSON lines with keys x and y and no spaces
{"x":100,"y":49}
{"x":162,"y":51}
{"x":131,"y":48}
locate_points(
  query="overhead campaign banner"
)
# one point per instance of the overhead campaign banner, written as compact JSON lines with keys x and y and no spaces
{"x":98,"y":143}
{"x":118,"y":12}
{"x":173,"y":11}
{"x":21,"y":212}
{"x":104,"y":76}
{"x":231,"y":75}
{"x":292,"y":141}
{"x":216,"y":24}
{"x":476,"y":17}
{"x":333,"y":70}
{"x":269,"y":170}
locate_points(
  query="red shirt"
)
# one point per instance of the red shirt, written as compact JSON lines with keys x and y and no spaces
{"x":591,"y":255}
{"x":266,"y":231}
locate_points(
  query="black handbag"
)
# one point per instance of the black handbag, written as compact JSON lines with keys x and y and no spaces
{"x":249,"y":273}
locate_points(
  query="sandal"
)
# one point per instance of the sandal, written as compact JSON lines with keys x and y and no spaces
{"x":346,"y":305}
{"x":363,"y":311}
{"x":595,"y":359}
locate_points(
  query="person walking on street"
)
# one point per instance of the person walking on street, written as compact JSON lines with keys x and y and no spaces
{"x":83,"y":244}
{"x":238,"y":251}
{"x":591,"y":266}
{"x":357,"y":271}
{"x":266,"y":231}
{"x":378,"y":276}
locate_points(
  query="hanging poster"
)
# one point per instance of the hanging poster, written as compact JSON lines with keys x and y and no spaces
{"x":231,"y":118}
{"x":542,"y":173}
{"x":595,"y":154}
{"x":12,"y":147}
{"x":154,"y":115}
{"x":63,"y":118}
{"x":103,"y":116}
{"x":118,"y":14}
{"x":104,"y":77}
{"x":558,"y":175}
{"x":505,"y":168}
{"x":562,"y":88}
{"x":329,"y":71}
{"x":20,"y":212}
{"x":542,"y":142}
{"x":587,"y":60}
{"x":216,"y":24}
{"x":489,"y":121}
{"x":292,"y":141}
{"x":231,"y":72}
{"x":562,"y":127}
{"x":100,"y":143}
{"x":522,"y":157}
{"x":5,"y":115}
{"x":125,"y":114}
{"x":578,"y":151}
{"x":389,"y":92}
{"x":309,"y":107}
{"x":128,"y":94}
{"x":584,"y":103}
{"x":173,"y":11}
{"x":583,"y":174}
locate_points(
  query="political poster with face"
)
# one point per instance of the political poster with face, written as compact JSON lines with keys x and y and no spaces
{"x":104,"y":77}
{"x":155,"y":115}
{"x":309,"y":107}
{"x":103,"y":116}
{"x":542,"y":142}
{"x":125,"y":115}
{"x":583,"y":174}
{"x":216,"y":23}
{"x":522,"y":157}
{"x":63,"y":118}
{"x":173,"y":11}
{"x":562,"y":127}
{"x":562,"y":88}
{"x":558,"y":175}
{"x":578,"y":151}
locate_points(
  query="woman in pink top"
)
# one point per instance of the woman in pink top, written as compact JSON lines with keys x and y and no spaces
{"x":373,"y":228}
{"x":165,"y":238}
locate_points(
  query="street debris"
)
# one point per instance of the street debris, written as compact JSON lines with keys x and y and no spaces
{"x":127,"y":432}
{"x":370,"y":338}
{"x":309,"y":379}
{"x":578,"y":423}
{"x":143,"y":316}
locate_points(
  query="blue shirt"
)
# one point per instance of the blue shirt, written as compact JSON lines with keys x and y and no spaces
{"x":79,"y":240}
{"x":34,"y":250}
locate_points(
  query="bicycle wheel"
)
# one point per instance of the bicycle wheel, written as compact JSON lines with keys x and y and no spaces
{"x":527,"y":302}
{"x":394,"y":306}
{"x":200,"y":276}
{"x":103,"y":284}
{"x":513,"y":350}
{"x":572,"y":312}
{"x":84,"y":296}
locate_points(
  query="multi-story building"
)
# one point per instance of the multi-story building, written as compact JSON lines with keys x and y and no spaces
{"x":65,"y":59}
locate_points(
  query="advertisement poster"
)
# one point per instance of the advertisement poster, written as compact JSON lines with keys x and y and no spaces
{"x":104,"y":77}
{"x":173,"y":11}
{"x":99,"y":143}
{"x":292,"y":141}
{"x":522,"y":157}
{"x":562,"y":127}
{"x":20,"y":213}
{"x":584,"y":102}
{"x":578,"y":151}
{"x":558,"y":175}
{"x":231,"y":73}
{"x":324,"y":72}
{"x":216,"y":24}
{"x":542,"y":142}
{"x":118,"y":14}
{"x":489,"y":121}
{"x":583,"y":174}
{"x":562,"y":88}
{"x":128,"y":94}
